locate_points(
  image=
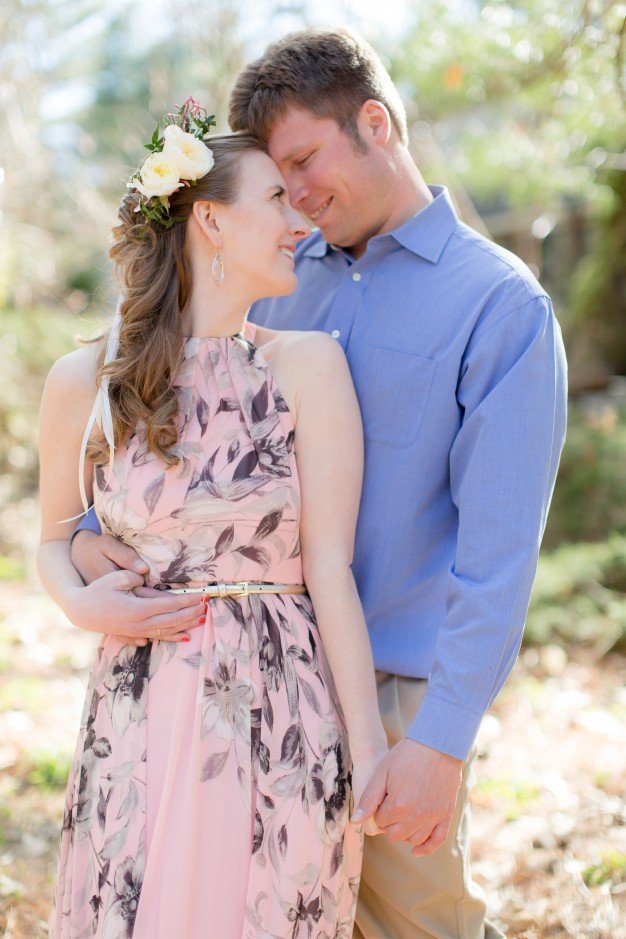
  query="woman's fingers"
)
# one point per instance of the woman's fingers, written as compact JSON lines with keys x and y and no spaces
{"x":109,"y":605}
{"x":149,"y":602}
{"x":136,"y":641}
{"x":140,"y":641}
{"x":172,"y":623}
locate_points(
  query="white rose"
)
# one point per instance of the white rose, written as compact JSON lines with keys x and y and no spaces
{"x":192,"y":157}
{"x":159,"y":176}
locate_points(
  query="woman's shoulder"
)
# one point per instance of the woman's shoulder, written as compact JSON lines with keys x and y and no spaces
{"x":74,"y":375}
{"x":302,"y":361}
{"x":297,"y":345}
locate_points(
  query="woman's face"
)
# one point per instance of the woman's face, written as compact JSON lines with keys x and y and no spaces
{"x":260,"y":230}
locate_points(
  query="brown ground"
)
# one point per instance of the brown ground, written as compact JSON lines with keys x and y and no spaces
{"x":549,"y":816}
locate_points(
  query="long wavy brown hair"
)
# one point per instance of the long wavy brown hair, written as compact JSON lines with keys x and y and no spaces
{"x":155,"y":284}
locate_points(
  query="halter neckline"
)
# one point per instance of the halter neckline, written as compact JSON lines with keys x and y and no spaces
{"x":248,"y":328}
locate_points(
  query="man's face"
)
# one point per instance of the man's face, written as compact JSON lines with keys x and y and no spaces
{"x":329,"y":182}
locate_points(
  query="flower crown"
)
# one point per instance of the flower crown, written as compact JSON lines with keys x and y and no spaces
{"x":178,"y":158}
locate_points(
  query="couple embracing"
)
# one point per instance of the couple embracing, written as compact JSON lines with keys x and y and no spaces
{"x":327,"y":424}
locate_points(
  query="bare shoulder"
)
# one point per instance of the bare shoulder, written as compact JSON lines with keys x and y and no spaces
{"x":296,"y":348}
{"x":77,"y":370}
{"x":71,"y":382}
{"x":304,"y":362}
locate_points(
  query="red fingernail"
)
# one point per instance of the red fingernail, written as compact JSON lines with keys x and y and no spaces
{"x":186,"y":639}
{"x":203,"y":619}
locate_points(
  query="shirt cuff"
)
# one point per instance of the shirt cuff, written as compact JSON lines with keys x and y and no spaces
{"x":88,"y":522}
{"x":445,"y":726}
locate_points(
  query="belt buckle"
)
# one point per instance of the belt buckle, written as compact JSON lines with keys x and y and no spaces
{"x":228,"y":589}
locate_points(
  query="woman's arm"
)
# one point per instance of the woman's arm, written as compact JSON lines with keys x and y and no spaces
{"x":329,"y":454}
{"x":107,"y":605}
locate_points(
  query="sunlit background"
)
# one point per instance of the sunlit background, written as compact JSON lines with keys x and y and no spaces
{"x":519,"y":109}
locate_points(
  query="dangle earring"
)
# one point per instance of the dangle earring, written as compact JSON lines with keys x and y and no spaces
{"x":217,"y":269}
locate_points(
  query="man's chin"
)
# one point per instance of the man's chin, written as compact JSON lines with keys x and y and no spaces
{"x":334,"y":237}
{"x":329,"y":229}
{"x":338,"y":238}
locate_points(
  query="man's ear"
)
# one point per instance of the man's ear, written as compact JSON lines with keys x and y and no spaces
{"x":375,"y":121}
{"x":205,"y":215}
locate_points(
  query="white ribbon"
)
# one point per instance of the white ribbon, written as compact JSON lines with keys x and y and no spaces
{"x":100,"y":412}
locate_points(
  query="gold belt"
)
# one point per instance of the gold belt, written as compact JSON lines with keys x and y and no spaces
{"x":241,"y":588}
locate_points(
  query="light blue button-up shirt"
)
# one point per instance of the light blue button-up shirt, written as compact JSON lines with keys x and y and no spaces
{"x":459,"y":368}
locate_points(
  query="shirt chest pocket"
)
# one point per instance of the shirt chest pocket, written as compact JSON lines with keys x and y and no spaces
{"x":393,"y":388}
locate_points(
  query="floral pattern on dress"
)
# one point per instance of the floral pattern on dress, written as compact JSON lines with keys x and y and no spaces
{"x":268,"y":757}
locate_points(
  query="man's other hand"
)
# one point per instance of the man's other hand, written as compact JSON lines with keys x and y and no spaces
{"x":94,"y":555}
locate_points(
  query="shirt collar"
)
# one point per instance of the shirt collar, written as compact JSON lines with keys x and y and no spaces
{"x":315,"y":246}
{"x":425,"y":234}
{"x":428,"y":231}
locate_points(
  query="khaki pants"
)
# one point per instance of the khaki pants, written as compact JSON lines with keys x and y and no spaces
{"x":432,"y":897}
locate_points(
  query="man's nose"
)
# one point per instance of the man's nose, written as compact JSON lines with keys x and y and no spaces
{"x":298,"y":192}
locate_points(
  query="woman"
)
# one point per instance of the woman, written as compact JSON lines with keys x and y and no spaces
{"x":210,"y":794}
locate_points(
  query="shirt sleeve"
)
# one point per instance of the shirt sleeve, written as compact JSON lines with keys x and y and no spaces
{"x":512,"y":393}
{"x":88,"y":522}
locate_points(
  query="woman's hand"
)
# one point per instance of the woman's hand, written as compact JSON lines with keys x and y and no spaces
{"x":363,"y":768}
{"x":120,"y":601}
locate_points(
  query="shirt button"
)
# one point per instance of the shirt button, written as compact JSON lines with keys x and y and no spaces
{"x":356,"y":276}
{"x":335,"y":334}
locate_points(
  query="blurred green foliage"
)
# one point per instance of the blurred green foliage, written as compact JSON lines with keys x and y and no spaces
{"x":524,"y":99}
{"x":598,"y":292}
{"x":579,"y":595}
{"x":18,"y":689}
{"x":47,"y":769}
{"x":514,"y":796}
{"x":30,"y":341}
{"x":82,"y":84}
{"x":590,"y":496}
{"x":609,"y":868}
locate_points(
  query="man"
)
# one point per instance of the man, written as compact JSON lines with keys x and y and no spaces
{"x":459,"y":368}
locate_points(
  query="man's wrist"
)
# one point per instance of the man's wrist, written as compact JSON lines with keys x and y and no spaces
{"x":83,"y":531}
{"x":443,"y":725}
{"x":76,"y":546}
{"x":446,"y":757}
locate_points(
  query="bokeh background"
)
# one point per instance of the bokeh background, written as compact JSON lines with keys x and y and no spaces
{"x":519,"y":109}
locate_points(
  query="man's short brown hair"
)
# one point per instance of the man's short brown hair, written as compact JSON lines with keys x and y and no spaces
{"x":330,"y":72}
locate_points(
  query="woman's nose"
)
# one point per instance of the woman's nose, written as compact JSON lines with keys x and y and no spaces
{"x":299,"y":228}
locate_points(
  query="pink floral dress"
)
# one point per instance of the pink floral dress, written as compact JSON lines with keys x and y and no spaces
{"x":210,"y":793}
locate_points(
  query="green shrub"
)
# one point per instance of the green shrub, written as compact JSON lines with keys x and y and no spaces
{"x":590,"y":495}
{"x":30,"y":341}
{"x":609,"y":868}
{"x":580,"y":595}
{"x":48,"y":770}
